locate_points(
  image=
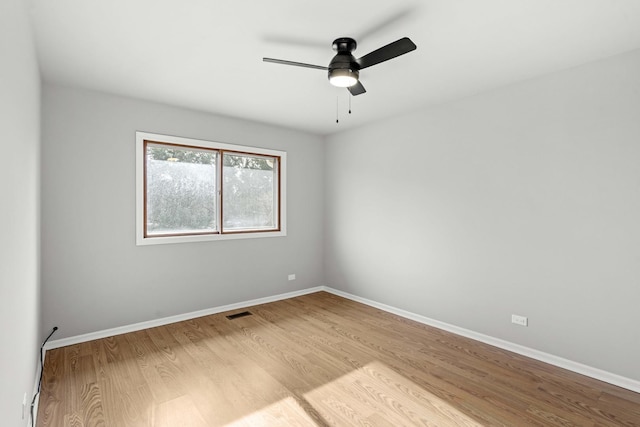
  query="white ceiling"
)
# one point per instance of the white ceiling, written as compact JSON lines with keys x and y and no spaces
{"x":207,"y":55}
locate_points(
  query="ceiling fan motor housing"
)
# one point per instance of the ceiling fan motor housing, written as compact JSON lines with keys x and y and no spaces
{"x":344,"y":62}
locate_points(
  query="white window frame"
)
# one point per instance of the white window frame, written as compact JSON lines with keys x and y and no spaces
{"x":141,"y":240}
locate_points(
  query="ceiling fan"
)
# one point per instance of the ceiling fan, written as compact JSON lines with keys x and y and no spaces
{"x":344,"y":68}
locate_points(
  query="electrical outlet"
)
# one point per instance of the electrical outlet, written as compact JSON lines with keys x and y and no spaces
{"x":519,"y":320}
{"x":292,"y":277}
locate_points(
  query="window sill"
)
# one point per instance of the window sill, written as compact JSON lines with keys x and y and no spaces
{"x":163,"y":240}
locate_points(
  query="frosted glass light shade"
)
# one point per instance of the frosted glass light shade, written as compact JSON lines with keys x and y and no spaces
{"x":343,"y":77}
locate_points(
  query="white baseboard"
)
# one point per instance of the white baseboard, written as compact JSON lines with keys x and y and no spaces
{"x":570,"y":365}
{"x":63,"y":342}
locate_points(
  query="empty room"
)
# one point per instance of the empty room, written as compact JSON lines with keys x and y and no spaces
{"x":320,"y":213}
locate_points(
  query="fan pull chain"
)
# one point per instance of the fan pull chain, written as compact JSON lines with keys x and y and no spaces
{"x":338,"y":107}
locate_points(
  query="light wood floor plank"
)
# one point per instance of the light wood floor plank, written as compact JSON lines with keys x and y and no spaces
{"x":315,"y":360}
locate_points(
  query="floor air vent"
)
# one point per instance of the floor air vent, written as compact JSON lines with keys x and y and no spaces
{"x":235,"y":316}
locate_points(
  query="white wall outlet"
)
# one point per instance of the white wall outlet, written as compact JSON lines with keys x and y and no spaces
{"x":519,"y":320}
{"x":292,"y":277}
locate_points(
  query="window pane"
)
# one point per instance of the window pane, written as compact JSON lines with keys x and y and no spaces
{"x":180,"y":190}
{"x":250,"y":192}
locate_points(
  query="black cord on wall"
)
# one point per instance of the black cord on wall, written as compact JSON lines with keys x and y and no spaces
{"x":33,"y":401}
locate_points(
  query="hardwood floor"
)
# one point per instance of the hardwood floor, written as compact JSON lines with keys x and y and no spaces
{"x":315,"y":360}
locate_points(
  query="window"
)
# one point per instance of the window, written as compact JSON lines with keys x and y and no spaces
{"x":191,"y":190}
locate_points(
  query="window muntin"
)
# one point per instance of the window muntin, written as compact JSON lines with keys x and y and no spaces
{"x":192,"y":190}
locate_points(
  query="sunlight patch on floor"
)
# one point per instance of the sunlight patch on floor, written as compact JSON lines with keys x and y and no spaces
{"x":377,"y":395}
{"x":374,"y":395}
{"x":284,"y":413}
{"x":177,"y":412}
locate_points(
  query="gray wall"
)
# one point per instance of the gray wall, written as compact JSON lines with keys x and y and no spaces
{"x":19,"y":209}
{"x":94,"y":277}
{"x":524,"y":200}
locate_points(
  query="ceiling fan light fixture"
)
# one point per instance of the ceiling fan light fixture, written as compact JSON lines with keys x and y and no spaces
{"x":343,"y":77}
